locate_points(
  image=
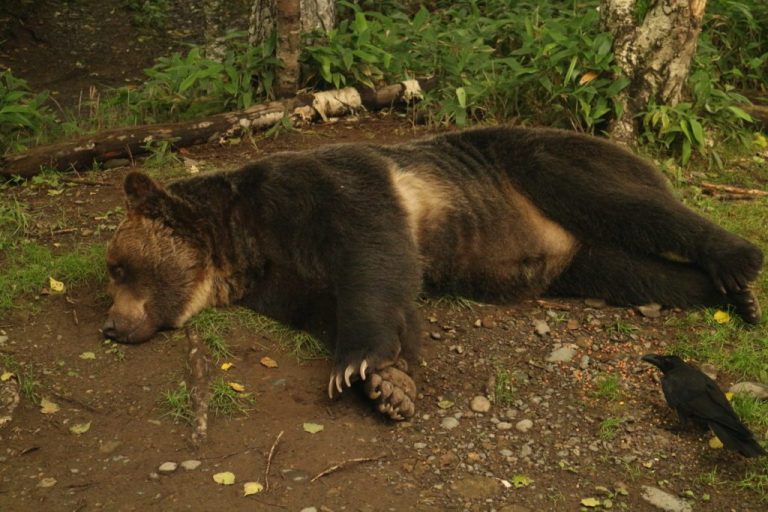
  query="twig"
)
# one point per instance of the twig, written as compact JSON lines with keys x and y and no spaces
{"x":269,"y":459}
{"x":346,"y":463}
{"x":80,"y":181}
{"x":198,"y":386}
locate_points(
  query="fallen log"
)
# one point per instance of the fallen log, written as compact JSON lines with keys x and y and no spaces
{"x":81,"y":153}
{"x":727,"y":192}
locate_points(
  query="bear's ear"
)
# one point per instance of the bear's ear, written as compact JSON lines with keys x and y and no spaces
{"x":141,"y":190}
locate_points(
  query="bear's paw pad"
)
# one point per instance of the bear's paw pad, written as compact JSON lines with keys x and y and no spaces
{"x":394,"y":392}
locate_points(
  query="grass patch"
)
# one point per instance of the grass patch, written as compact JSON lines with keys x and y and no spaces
{"x":504,"y":391}
{"x":215,"y":325}
{"x":28,"y":267}
{"x":177,"y":403}
{"x":609,"y":427}
{"x":449,"y":301}
{"x":607,"y":387}
{"x":28,"y":385}
{"x":225,"y":401}
{"x":756,"y":479}
{"x":14,"y":222}
{"x":752,"y":411}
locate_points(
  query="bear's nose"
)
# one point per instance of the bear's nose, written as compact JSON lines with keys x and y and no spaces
{"x":109,"y":329}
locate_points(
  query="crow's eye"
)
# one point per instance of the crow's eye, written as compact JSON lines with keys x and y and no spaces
{"x":116,"y":272}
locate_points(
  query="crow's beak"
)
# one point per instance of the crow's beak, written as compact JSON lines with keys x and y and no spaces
{"x":653,"y":359}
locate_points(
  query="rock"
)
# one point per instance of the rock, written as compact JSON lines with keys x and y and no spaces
{"x":167,"y":467}
{"x":309,"y":509}
{"x":584,"y":341}
{"x":524,"y":425}
{"x":435,"y":335}
{"x":419,"y":446}
{"x":541,"y":327}
{"x":709,"y":370}
{"x":3,"y":339}
{"x":595,"y":303}
{"x":295,"y":475}
{"x":109,"y":446}
{"x":488,"y":322}
{"x":474,"y":487}
{"x":480,"y":404}
{"x":514,"y":508}
{"x":573,"y":324}
{"x":650,"y":310}
{"x":584,"y":363}
{"x":114,"y":163}
{"x":663,"y":500}
{"x":449,"y":423}
{"x":191,"y":465}
{"x":448,"y":459}
{"x":751,"y":388}
{"x":562,"y":355}
{"x":526,"y":451}
{"x":503,"y":425}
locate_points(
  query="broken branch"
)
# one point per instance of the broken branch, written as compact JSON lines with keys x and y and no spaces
{"x":344,"y":464}
{"x":269,"y":459}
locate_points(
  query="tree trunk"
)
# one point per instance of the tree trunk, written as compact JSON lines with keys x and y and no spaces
{"x":214,"y":30}
{"x":655,"y":55}
{"x":288,"y":47}
{"x":315,"y":15}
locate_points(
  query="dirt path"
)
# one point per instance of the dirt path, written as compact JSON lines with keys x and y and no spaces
{"x":553,"y":434}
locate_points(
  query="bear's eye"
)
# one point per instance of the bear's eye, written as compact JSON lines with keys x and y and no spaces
{"x":116,"y":272}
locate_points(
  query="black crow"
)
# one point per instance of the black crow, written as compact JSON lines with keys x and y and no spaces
{"x":698,"y":400}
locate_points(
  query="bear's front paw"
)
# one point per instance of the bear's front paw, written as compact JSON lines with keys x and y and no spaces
{"x":394,"y":392}
{"x":732,"y":268}
{"x":746,"y":305}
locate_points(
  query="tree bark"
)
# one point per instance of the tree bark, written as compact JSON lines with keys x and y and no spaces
{"x":315,"y":15}
{"x":80,"y":154}
{"x":214,"y":30}
{"x":655,"y":55}
{"x":288,"y":47}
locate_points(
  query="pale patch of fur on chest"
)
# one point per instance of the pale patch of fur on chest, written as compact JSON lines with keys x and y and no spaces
{"x":424,"y":198}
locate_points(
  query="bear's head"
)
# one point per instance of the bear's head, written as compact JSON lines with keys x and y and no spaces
{"x":159,"y":267}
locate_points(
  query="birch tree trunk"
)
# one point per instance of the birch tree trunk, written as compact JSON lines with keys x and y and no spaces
{"x":315,"y":15}
{"x":214,"y":30}
{"x":655,"y":54}
{"x":288,"y":47}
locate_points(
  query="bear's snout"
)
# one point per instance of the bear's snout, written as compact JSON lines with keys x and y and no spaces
{"x":129,"y":331}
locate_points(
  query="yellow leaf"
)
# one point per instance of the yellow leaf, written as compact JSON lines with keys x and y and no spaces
{"x":268,"y":362}
{"x":313,"y":428}
{"x":48,"y":407}
{"x":715,"y":443}
{"x":590,"y":502}
{"x":87,"y":355}
{"x":80,"y":428}
{"x":721,"y":317}
{"x":445,"y":404}
{"x":55,"y":286}
{"x":520,"y":481}
{"x":729,"y":396}
{"x":226,"y":366}
{"x":587,"y":77}
{"x":6,"y":376}
{"x":224,"y":478}
{"x":237,"y":387}
{"x":252,"y":488}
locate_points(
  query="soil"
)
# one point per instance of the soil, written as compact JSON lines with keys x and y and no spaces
{"x":447,"y":458}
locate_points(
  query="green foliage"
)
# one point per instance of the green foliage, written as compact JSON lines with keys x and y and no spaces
{"x":23,"y":115}
{"x":609,"y":428}
{"x":14,"y":222}
{"x":191,"y":85}
{"x":607,"y":387}
{"x":149,"y":13}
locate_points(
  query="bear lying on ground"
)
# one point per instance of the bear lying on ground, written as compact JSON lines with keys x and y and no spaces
{"x":343,"y":238}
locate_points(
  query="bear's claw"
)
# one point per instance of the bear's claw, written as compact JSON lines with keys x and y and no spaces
{"x":348,"y":377}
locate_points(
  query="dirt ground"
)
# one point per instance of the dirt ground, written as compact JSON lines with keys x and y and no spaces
{"x":447,"y":458}
{"x":481,"y":461}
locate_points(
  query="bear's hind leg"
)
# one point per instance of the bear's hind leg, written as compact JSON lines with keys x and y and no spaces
{"x":630,"y":279}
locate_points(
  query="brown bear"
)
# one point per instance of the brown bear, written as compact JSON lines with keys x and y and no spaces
{"x":343,"y":238}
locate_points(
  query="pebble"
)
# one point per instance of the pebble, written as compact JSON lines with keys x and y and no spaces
{"x":503,"y":425}
{"x":3,"y":339}
{"x":480,"y":404}
{"x":526,"y":451}
{"x":419,"y":446}
{"x":595,"y":303}
{"x":524,"y":425}
{"x":449,"y":423}
{"x":109,"y":446}
{"x":663,"y":500}
{"x":650,"y":310}
{"x":541,"y":327}
{"x":751,"y":388}
{"x":584,"y":363}
{"x":167,"y":467}
{"x":309,"y":509}
{"x":562,"y":355}
{"x":573,"y":324}
{"x":190,"y":465}
{"x":435,"y":335}
{"x":488,"y":322}
{"x":709,"y":370}
{"x":584,"y":342}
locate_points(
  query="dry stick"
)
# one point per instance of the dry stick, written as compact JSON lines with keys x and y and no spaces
{"x":198,"y":386}
{"x":269,"y":459}
{"x":347,"y":462}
